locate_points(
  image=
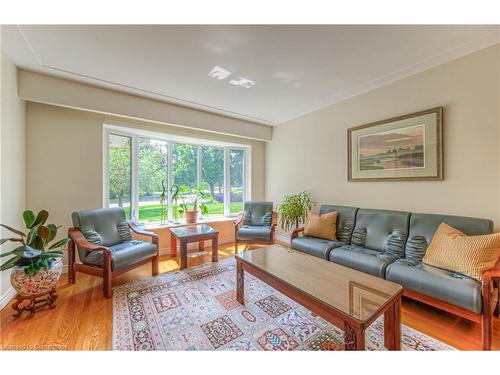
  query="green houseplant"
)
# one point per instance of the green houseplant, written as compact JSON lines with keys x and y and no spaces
{"x":36,"y":263}
{"x":191,"y":203}
{"x":293,"y":210}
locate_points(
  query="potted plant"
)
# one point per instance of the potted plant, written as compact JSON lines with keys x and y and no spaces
{"x":293,"y":210}
{"x":36,"y":263}
{"x":191,"y":202}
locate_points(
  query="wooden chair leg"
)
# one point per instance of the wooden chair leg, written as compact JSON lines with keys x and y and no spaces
{"x":497,"y":307}
{"x":108,"y":276}
{"x":487,"y":321}
{"x":487,"y":331}
{"x":71,"y":262}
{"x":155,"y":262}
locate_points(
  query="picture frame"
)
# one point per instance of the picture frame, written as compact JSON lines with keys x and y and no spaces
{"x":402,"y":148}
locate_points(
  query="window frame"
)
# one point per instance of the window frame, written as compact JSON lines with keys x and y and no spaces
{"x":171,"y":139}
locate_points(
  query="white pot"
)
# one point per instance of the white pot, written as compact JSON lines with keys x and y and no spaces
{"x":41,"y":283}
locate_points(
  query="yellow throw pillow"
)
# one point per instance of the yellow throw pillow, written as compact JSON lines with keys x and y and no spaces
{"x":453,"y":250}
{"x":324,"y":226}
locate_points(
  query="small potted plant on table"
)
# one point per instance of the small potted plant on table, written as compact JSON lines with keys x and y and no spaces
{"x":191,"y":203}
{"x":36,"y":263}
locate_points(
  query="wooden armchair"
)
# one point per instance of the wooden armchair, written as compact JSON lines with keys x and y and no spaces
{"x":112,"y":251}
{"x":258,"y":230}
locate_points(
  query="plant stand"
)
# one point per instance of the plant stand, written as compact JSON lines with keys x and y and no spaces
{"x":36,"y":302}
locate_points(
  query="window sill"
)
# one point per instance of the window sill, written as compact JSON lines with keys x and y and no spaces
{"x":183,"y":223}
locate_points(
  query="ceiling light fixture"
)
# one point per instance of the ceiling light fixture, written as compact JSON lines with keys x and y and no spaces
{"x":219,"y":73}
{"x":243,"y":82}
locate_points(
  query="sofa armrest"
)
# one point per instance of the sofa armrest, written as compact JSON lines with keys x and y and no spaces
{"x":296,"y":232}
{"x":77,"y":237}
{"x":492,"y":274}
{"x":135,"y":229}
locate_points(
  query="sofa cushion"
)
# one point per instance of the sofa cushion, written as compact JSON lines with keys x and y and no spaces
{"x":452,"y":250}
{"x":423,"y":227}
{"x":415,"y":248}
{"x":324,"y":226}
{"x":123,"y":254}
{"x":373,"y":227}
{"x":346,"y":217}
{"x":443,"y":285}
{"x":362,"y":259}
{"x":315,"y":246}
{"x":254,"y":233}
{"x":395,"y":244}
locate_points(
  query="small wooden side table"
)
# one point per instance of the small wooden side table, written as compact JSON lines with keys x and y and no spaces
{"x":190,"y":234}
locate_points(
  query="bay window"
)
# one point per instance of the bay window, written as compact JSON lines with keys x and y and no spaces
{"x":143,"y":171}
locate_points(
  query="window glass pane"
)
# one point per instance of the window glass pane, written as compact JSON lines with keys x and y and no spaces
{"x":153,"y":159}
{"x":236,"y":171}
{"x":119,"y":172}
{"x":212,"y":177}
{"x":184,"y":169}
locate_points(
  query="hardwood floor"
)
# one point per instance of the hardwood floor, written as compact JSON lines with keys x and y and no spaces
{"x":82,"y":319}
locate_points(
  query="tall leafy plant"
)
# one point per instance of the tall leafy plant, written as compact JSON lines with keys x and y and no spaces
{"x":37,"y":249}
{"x":293,"y":210}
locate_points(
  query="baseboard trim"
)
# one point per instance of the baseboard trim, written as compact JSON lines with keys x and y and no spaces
{"x":7,"y":297}
{"x":283,"y":238}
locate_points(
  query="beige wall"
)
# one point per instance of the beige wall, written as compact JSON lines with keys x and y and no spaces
{"x":40,"y":88}
{"x":64,"y":158}
{"x":12,"y":163}
{"x":309,"y":153}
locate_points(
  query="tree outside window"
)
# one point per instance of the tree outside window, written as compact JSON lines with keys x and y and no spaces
{"x":119,"y":170}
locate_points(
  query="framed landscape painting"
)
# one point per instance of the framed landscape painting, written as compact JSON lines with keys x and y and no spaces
{"x":403,"y":148}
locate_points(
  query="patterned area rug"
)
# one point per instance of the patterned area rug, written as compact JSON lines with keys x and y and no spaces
{"x":196,"y":309}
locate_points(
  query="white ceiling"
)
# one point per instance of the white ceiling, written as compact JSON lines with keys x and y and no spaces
{"x":297,"y":69}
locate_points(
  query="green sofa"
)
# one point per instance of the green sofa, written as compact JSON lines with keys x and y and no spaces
{"x":391,"y":245}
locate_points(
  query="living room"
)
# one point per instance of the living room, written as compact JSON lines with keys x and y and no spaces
{"x":329,"y":186}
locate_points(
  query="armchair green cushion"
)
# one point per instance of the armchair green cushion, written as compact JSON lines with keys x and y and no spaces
{"x":257,"y":222}
{"x":108,"y":227}
{"x":123,"y":254}
{"x":257,"y":213}
{"x":254,"y":233}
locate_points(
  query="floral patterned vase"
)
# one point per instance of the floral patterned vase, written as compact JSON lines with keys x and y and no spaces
{"x":43,"y":282}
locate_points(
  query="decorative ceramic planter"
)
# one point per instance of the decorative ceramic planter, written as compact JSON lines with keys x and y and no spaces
{"x":191,"y":217}
{"x":41,"y":283}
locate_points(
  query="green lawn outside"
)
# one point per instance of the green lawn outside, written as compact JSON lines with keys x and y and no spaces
{"x":152,"y":213}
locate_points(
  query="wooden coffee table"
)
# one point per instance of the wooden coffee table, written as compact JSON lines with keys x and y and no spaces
{"x":193,"y":233}
{"x":349,"y":299}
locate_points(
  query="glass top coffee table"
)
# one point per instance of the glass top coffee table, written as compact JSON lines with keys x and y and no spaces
{"x":347,"y":298}
{"x":189,"y":234}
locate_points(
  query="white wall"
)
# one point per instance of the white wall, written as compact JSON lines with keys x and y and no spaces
{"x":310,"y":152}
{"x":12,"y":163}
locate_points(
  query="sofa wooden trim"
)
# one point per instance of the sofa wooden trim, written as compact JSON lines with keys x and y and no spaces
{"x":76,"y":238}
{"x":237,"y":224}
{"x":490,"y":296}
{"x":295,"y":234}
